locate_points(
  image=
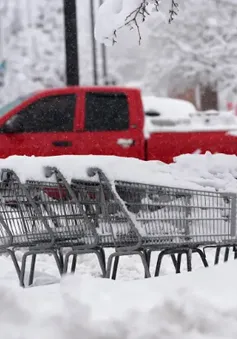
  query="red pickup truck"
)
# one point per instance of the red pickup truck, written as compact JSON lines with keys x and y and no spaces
{"x":96,"y":120}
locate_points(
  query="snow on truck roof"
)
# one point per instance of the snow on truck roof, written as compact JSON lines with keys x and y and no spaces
{"x":172,"y":108}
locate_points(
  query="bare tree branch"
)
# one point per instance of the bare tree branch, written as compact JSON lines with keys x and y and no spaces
{"x":141,"y":13}
{"x":173,"y":10}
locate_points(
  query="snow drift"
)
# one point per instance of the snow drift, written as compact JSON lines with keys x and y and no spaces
{"x":197,"y":305}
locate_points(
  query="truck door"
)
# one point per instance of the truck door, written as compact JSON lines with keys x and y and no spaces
{"x":44,"y":127}
{"x":110,"y":125}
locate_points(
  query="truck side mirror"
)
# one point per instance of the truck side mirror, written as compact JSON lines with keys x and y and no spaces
{"x":13,"y":126}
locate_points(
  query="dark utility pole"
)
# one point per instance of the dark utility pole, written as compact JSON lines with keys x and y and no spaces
{"x":93,"y":43}
{"x":104,"y":58}
{"x":71,"y":42}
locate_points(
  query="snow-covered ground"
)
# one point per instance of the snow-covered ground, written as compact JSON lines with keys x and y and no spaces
{"x":201,"y":304}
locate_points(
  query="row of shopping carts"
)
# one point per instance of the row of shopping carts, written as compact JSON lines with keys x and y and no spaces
{"x":67,"y":219}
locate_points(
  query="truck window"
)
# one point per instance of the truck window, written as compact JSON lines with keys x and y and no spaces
{"x":9,"y":106}
{"x":106,"y":112}
{"x":49,"y":114}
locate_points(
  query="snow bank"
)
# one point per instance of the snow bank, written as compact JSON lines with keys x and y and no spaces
{"x":194,"y":171}
{"x":199,"y":305}
{"x":217,"y":171}
{"x":76,"y":167}
{"x":116,"y":168}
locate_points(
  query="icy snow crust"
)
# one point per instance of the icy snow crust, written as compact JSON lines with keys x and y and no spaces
{"x":193,"y":171}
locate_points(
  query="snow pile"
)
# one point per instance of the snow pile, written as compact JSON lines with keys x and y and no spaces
{"x":194,"y":171}
{"x":76,"y":167}
{"x":200,"y":305}
{"x":214,"y":171}
{"x":116,"y":168}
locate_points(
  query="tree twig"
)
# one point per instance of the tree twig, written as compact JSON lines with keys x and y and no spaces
{"x":141,"y":12}
{"x":173,"y":10}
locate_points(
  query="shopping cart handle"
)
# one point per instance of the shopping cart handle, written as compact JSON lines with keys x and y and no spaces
{"x":92,"y":171}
